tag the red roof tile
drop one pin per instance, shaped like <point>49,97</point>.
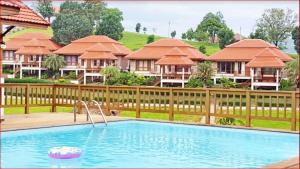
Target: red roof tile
<point>245,50</point>
<point>98,51</point>
<point>26,17</point>
<point>19,41</point>
<point>266,58</point>
<point>175,57</point>
<point>78,47</point>
<point>158,49</point>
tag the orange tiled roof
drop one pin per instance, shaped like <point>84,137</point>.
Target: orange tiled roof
<point>19,41</point>
<point>158,49</point>
<point>245,50</point>
<point>175,57</point>
<point>33,47</point>
<point>98,51</point>
<point>26,17</point>
<point>78,47</point>
<point>266,58</point>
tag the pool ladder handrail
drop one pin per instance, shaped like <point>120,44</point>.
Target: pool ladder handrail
<point>100,110</point>
<point>87,110</point>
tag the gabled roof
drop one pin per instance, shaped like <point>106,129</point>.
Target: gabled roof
<point>33,47</point>
<point>19,41</point>
<point>175,57</point>
<point>158,49</point>
<point>246,50</point>
<point>266,58</point>
<point>78,47</point>
<point>98,51</point>
<point>26,17</point>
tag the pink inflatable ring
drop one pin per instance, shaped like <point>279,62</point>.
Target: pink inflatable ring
<point>64,152</point>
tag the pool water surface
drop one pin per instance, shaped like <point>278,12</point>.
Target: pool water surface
<point>139,144</point>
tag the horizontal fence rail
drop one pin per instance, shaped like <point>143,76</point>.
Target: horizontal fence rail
<point>206,102</point>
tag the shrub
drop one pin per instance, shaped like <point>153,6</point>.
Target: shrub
<point>72,75</point>
<point>202,49</point>
<point>194,83</point>
<point>205,72</point>
<point>150,39</point>
<point>230,121</point>
<point>8,71</point>
<point>27,80</point>
<point>287,85</point>
<point>227,83</point>
<point>44,76</point>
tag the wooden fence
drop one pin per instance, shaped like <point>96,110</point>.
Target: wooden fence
<point>241,104</point>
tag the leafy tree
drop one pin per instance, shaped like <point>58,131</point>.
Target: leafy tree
<point>183,36</point>
<point>45,8</point>
<point>277,24</point>
<point>111,74</point>
<point>150,39</point>
<point>211,24</point>
<point>227,83</point>
<point>94,9</point>
<point>138,27</point>
<point>204,72</point>
<point>173,34</point>
<point>226,37</point>
<point>144,30</point>
<point>202,49</point>
<point>292,70</point>
<point>259,34</point>
<point>71,23</point>
<point>54,63</point>
<point>200,36</point>
<point>190,34</point>
<point>110,24</point>
<point>295,37</point>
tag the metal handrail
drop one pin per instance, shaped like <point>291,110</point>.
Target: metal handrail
<point>87,110</point>
<point>100,111</point>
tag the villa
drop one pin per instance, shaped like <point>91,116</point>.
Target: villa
<point>251,61</point>
<point>171,60</point>
<point>87,56</point>
<point>27,51</point>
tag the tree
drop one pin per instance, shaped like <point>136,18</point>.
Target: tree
<point>138,27</point>
<point>71,23</point>
<point>150,39</point>
<point>295,37</point>
<point>54,63</point>
<point>292,70</point>
<point>45,8</point>
<point>183,36</point>
<point>211,24</point>
<point>277,24</point>
<point>173,34</point>
<point>226,37</point>
<point>202,49</point>
<point>200,36</point>
<point>204,72</point>
<point>110,24</point>
<point>190,34</point>
<point>144,30</point>
<point>259,34</point>
<point>111,74</point>
<point>94,9</point>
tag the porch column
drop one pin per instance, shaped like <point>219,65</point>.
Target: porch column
<point>252,78</point>
<point>215,80</point>
<point>84,76</point>
<point>161,76</point>
<point>277,79</point>
<point>40,66</point>
<point>76,72</point>
<point>21,72</point>
<point>183,77</point>
<point>61,73</point>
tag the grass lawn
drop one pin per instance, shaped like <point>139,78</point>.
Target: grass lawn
<point>132,40</point>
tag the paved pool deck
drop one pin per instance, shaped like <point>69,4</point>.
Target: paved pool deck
<point>38,120</point>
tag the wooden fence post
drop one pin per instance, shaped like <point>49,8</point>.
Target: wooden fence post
<point>27,98</point>
<point>294,115</point>
<point>138,103</point>
<point>171,105</point>
<point>207,106</point>
<point>248,109</point>
<point>107,99</point>
<point>53,109</point>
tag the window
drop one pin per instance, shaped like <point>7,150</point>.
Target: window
<point>225,67</point>
<point>72,60</point>
<point>268,71</point>
<point>143,65</point>
<point>8,55</point>
<point>32,58</point>
<point>239,67</point>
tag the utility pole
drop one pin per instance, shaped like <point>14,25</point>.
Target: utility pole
<point>169,28</point>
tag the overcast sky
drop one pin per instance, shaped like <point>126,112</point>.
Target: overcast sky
<point>240,16</point>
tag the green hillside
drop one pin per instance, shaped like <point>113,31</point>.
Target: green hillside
<point>133,41</point>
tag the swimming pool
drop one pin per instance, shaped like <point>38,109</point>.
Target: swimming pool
<point>138,144</point>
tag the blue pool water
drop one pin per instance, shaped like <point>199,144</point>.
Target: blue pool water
<point>134,144</point>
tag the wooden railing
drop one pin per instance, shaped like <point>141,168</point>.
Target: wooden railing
<point>207,102</point>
